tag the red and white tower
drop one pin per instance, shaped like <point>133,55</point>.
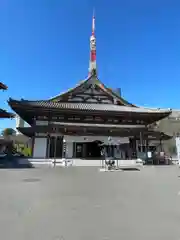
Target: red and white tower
<point>92,63</point>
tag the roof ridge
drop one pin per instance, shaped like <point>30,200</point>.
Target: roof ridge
<point>101,85</point>
<point>70,89</point>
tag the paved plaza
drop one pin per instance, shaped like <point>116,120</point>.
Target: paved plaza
<point>82,203</point>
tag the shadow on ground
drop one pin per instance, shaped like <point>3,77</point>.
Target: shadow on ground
<point>31,180</point>
<point>130,169</point>
<point>15,162</point>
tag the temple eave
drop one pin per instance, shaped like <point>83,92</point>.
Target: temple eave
<point>3,86</point>
<point>83,107</point>
<point>93,131</point>
<point>5,114</point>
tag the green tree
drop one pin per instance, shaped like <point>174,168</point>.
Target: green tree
<point>7,132</point>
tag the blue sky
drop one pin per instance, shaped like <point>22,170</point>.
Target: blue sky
<point>44,48</point>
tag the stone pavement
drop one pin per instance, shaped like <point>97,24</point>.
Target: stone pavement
<point>82,203</point>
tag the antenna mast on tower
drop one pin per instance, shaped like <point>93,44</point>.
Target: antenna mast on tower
<point>92,62</point>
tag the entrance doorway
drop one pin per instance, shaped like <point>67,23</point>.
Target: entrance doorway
<point>93,149</point>
<point>79,150</point>
<point>55,147</point>
<point>87,149</point>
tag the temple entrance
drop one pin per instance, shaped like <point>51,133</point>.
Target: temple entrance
<point>54,147</point>
<point>93,149</point>
<point>87,149</point>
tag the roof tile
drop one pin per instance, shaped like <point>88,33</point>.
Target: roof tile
<point>90,107</point>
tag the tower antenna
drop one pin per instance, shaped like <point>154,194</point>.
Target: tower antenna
<point>92,62</point>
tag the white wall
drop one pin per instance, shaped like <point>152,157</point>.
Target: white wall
<point>40,147</point>
<point>69,150</point>
<point>80,162</point>
<point>19,123</point>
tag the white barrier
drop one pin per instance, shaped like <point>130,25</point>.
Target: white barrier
<point>81,162</point>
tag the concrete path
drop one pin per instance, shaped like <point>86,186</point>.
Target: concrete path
<point>83,203</point>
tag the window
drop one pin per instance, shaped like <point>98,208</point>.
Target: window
<point>89,118</point>
<point>77,118</point>
<point>110,120</point>
<point>99,119</point>
<point>54,118</point>
<point>42,117</point>
<point>129,121</point>
<point>74,118</point>
<point>115,121</point>
<point>61,117</point>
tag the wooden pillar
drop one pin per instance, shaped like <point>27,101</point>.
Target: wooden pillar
<point>48,146</point>
<point>137,149</point>
<point>111,150</point>
<point>55,149</point>
<point>74,150</point>
<point>32,148</point>
<point>161,149</point>
<point>84,146</point>
<point>141,142</point>
<point>48,139</point>
<point>147,144</point>
<point>146,147</point>
<point>105,151</point>
<point>33,138</point>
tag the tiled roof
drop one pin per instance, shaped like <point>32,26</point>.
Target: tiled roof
<point>5,114</point>
<point>85,106</point>
<point>3,86</point>
<point>94,79</point>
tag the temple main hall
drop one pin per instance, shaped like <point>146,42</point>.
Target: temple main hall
<point>76,123</point>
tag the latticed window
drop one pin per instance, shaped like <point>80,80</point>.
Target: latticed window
<point>115,120</point>
<point>74,118</point>
<point>54,118</point>
<point>89,118</point>
<point>99,119</point>
<point>110,120</point>
<point>61,117</point>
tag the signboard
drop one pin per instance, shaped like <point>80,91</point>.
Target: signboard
<point>178,148</point>
<point>149,154</point>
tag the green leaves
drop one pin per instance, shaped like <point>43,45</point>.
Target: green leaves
<point>8,132</point>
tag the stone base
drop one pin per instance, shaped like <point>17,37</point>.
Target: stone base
<point>82,162</point>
